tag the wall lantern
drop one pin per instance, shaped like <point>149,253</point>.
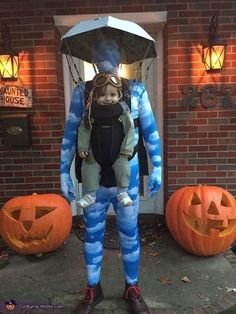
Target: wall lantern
<point>213,54</point>
<point>9,59</point>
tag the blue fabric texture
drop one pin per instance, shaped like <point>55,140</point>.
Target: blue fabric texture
<point>95,215</point>
<point>107,56</point>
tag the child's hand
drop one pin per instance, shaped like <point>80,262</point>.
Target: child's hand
<point>124,155</point>
<point>83,154</point>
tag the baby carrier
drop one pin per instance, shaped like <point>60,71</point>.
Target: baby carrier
<point>107,133</point>
<point>111,129</point>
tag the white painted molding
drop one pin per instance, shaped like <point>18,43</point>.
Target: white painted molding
<point>64,22</point>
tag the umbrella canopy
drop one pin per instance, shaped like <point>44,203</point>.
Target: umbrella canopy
<point>134,42</point>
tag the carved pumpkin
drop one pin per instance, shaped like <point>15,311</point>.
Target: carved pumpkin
<point>35,223</point>
<point>202,219</point>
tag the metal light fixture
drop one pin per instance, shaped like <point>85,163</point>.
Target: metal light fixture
<point>9,59</point>
<point>213,54</point>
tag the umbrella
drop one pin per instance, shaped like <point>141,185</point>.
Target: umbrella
<point>134,42</point>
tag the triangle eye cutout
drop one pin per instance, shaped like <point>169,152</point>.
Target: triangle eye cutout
<point>195,200</point>
<point>225,201</point>
<point>41,211</point>
<point>212,210</point>
<point>15,214</point>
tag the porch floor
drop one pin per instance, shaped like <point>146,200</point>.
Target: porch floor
<point>172,281</point>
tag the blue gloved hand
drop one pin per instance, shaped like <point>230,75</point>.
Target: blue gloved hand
<point>154,182</point>
<point>67,187</point>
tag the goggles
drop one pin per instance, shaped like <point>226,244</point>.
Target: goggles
<point>102,79</point>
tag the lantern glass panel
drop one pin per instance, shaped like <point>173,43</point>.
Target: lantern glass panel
<point>9,65</point>
<point>214,57</point>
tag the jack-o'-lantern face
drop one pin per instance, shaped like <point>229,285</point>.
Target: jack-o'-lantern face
<point>35,223</point>
<point>29,229</point>
<point>211,212</point>
<point>202,219</point>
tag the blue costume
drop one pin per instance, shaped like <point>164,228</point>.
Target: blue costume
<point>95,215</point>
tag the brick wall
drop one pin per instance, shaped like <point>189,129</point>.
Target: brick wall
<point>35,168</point>
<point>199,143</point>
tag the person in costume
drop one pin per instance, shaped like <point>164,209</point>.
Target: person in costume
<point>107,59</point>
<point>105,138</point>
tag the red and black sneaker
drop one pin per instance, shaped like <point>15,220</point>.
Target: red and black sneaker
<point>93,296</point>
<point>132,295</point>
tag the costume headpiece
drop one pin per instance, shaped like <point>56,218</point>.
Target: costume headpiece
<point>107,56</point>
<point>101,80</point>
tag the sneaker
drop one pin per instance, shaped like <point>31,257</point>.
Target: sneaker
<point>93,296</point>
<point>133,297</point>
<point>124,199</point>
<point>86,200</point>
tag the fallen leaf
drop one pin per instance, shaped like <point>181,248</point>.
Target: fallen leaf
<point>39,255</point>
<point>230,289</point>
<point>154,254</point>
<point>152,243</point>
<point>165,281</point>
<point>185,279</point>
<point>203,297</point>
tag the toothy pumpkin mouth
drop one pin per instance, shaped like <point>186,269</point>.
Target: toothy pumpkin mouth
<point>24,242</point>
<point>212,226</point>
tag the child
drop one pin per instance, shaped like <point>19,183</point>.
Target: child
<point>105,139</point>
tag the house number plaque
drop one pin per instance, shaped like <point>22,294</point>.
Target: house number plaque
<point>208,96</point>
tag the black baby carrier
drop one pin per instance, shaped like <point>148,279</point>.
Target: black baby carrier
<point>106,138</point>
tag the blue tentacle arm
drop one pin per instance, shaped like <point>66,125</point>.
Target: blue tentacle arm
<point>152,140</point>
<point>69,141</point>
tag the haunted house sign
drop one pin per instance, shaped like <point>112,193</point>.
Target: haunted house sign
<point>15,96</point>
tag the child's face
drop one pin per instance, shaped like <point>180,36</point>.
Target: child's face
<point>109,96</point>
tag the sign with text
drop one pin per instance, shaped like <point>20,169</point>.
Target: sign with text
<point>15,96</point>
